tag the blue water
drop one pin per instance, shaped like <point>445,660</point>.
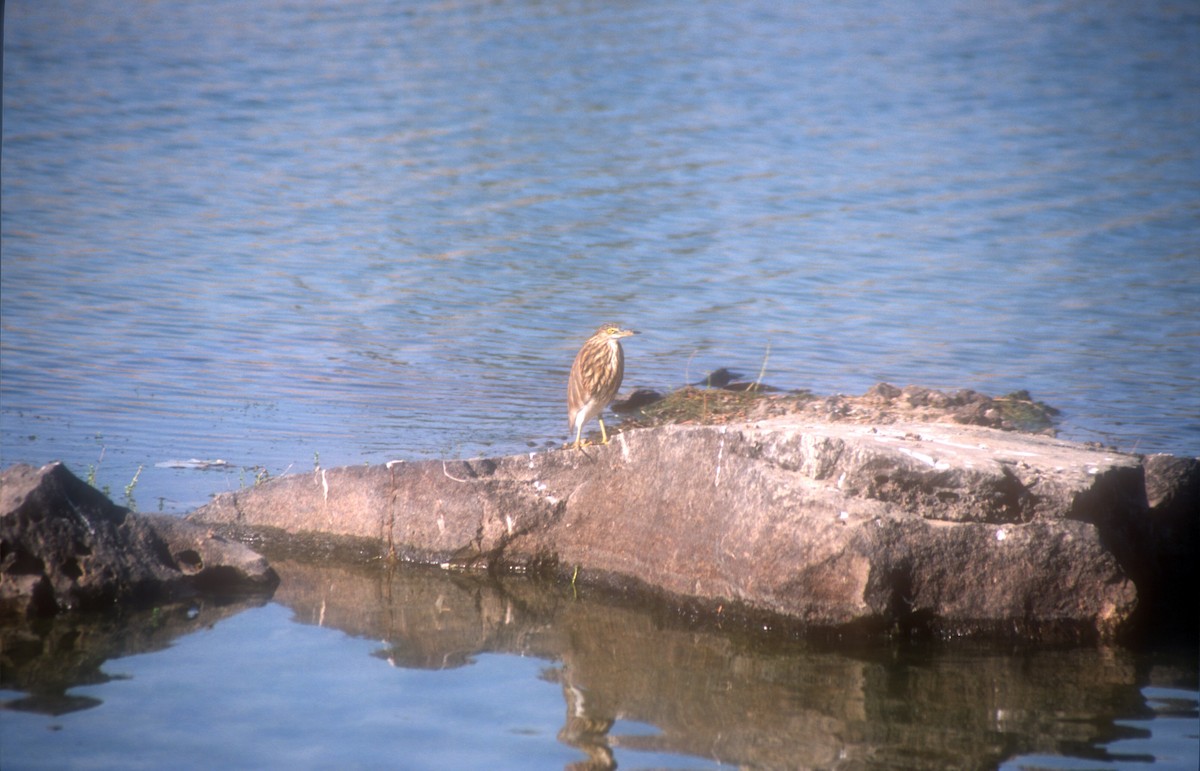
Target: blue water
<point>265,234</point>
<point>286,233</point>
<point>348,710</point>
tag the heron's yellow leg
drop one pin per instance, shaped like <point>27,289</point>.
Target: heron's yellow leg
<point>603,433</point>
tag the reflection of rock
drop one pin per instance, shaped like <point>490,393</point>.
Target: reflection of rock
<point>47,657</point>
<point>707,694</point>
<point>429,619</point>
<point>742,700</point>
<point>65,546</point>
<point>940,528</point>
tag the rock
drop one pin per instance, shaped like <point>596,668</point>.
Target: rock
<point>723,398</point>
<point>65,546</point>
<point>916,527</point>
<point>1165,544</point>
<point>640,398</point>
<point>214,565</point>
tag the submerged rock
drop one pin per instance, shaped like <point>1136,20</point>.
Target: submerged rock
<point>65,546</point>
<point>837,524</point>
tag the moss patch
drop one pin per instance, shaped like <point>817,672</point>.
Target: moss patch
<point>882,403</point>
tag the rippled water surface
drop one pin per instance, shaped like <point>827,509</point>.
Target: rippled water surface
<point>262,233</point>
<point>288,232</point>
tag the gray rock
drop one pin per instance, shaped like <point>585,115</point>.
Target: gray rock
<point>65,546</point>
<point>946,529</point>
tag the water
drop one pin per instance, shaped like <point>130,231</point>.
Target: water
<point>285,233</point>
<point>360,232</point>
<point>358,668</point>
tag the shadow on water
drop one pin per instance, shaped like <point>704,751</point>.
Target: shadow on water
<point>738,698</point>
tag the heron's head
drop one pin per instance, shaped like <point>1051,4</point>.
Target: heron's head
<point>612,332</point>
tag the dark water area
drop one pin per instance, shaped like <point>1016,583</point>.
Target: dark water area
<point>368,668</point>
<point>285,233</point>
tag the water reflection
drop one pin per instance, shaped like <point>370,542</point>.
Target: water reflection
<point>46,658</point>
<point>737,698</point>
<point>646,680</point>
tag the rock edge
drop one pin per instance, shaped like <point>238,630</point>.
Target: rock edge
<point>953,530</point>
<point>65,546</point>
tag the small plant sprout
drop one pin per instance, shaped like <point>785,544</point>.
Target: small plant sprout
<point>763,369</point>
<point>94,467</point>
<point>130,487</point>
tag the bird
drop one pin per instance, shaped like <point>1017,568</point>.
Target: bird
<point>595,378</point>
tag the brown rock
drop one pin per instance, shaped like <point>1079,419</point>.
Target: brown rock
<point>939,528</point>
<point>65,546</point>
<point>1166,544</point>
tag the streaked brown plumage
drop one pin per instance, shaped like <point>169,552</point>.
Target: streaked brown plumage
<point>595,378</point>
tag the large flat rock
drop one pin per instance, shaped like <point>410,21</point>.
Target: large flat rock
<point>921,527</point>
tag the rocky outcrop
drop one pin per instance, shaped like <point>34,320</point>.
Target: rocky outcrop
<point>65,546</point>
<point>947,529</point>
